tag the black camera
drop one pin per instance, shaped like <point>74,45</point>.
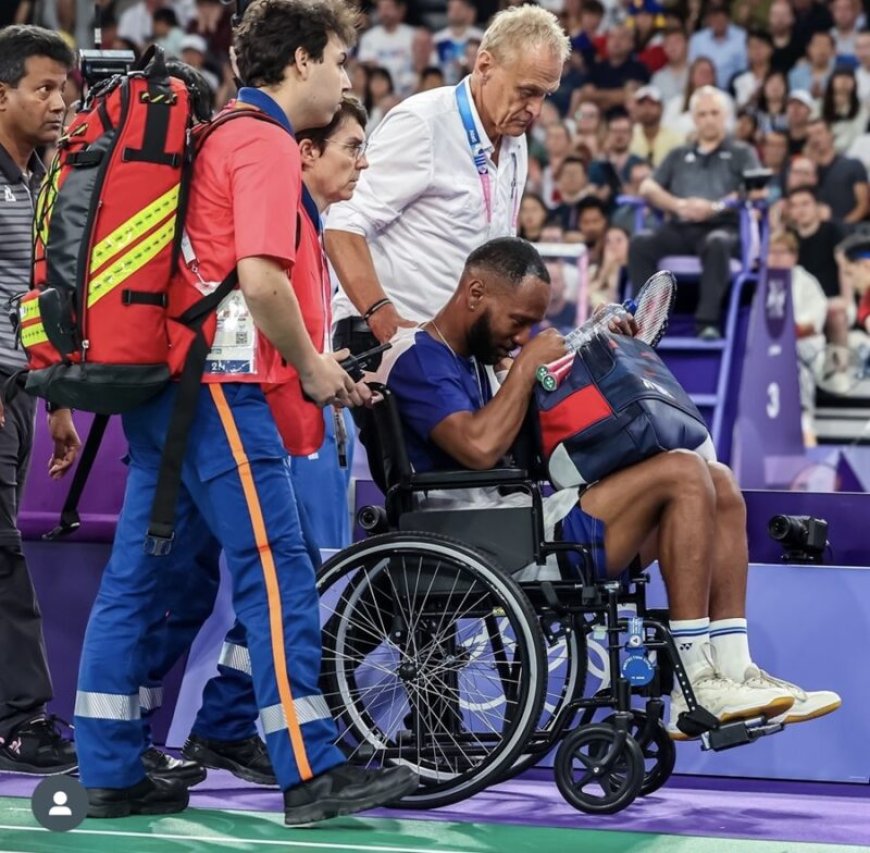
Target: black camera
<point>803,537</point>
<point>756,179</point>
<point>97,65</point>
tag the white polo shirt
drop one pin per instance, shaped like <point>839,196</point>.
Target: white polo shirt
<point>420,204</point>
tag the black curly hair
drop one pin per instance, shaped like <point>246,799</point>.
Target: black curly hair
<point>271,31</point>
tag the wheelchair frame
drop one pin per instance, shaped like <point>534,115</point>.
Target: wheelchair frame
<point>617,749</point>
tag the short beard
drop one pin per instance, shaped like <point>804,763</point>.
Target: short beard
<point>480,343</point>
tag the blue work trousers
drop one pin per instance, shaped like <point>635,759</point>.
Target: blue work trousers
<point>235,481</point>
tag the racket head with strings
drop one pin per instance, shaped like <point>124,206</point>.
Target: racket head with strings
<point>653,305</point>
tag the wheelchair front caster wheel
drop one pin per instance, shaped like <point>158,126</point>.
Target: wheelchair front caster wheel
<point>658,750</point>
<point>590,778</point>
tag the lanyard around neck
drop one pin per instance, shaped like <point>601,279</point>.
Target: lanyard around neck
<point>265,102</point>
<point>478,155</point>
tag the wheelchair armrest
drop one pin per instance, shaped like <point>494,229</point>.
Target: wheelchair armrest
<point>463,479</point>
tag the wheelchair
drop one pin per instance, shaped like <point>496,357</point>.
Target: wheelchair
<point>435,656</point>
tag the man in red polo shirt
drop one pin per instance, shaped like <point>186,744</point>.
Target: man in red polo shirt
<point>223,736</point>
<point>236,486</point>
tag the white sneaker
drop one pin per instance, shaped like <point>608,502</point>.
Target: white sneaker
<point>807,704</point>
<point>727,700</point>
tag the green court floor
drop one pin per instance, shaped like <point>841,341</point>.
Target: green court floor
<point>204,831</point>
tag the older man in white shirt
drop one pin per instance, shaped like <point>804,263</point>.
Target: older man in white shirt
<point>446,173</point>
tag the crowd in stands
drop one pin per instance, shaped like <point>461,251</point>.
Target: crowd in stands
<point>794,77</point>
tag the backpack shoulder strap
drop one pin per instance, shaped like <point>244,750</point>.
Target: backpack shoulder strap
<point>69,515</point>
<point>227,116</point>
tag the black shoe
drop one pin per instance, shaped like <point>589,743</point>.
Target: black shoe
<point>247,759</point>
<point>159,765</point>
<point>150,796</point>
<point>37,748</point>
<point>345,790</point>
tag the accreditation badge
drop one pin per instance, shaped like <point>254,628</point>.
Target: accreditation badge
<point>234,350</point>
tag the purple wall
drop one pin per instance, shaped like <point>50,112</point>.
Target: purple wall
<point>43,498</point>
<point>66,576</point>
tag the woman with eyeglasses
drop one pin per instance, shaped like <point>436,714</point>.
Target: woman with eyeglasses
<point>332,159</point>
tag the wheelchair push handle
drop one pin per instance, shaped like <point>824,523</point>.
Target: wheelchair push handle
<point>356,365</point>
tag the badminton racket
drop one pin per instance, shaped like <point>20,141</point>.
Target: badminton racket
<point>651,309</point>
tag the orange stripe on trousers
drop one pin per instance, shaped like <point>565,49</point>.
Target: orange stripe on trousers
<point>267,561</point>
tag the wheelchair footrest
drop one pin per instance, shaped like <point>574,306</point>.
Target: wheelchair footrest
<point>738,733</point>
<point>697,723</point>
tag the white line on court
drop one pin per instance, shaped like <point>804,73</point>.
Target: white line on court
<point>320,845</point>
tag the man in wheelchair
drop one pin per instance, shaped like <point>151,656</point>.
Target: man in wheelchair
<point>678,508</point>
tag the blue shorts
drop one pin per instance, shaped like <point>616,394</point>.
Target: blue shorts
<point>586,530</point>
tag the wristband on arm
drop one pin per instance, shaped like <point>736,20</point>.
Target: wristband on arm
<point>376,307</point>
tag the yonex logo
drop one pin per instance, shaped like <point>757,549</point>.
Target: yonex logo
<point>684,647</point>
<point>8,194</point>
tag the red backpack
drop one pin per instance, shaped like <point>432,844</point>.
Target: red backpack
<point>108,227</point>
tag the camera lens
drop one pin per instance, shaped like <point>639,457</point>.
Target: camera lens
<point>370,518</point>
<point>782,527</point>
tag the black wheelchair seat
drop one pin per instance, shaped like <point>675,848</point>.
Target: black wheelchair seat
<point>506,535</point>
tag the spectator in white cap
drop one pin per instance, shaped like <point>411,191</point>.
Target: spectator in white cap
<point>194,49</point>
<point>800,109</point>
<point>651,141</point>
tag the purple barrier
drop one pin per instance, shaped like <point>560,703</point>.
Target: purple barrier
<point>768,423</point>
<point>102,498</point>
<point>66,576</point>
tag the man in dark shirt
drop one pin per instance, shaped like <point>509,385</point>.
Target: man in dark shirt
<point>607,77</point>
<point>817,242</point>
<point>692,186</point>
<point>34,64</point>
<point>842,180</point>
<point>810,18</point>
<point>817,238</point>
<point>611,172</point>
<point>786,48</point>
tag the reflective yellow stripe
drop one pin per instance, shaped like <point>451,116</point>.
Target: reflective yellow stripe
<point>137,225</point>
<point>33,335</point>
<point>130,263</point>
<point>28,310</point>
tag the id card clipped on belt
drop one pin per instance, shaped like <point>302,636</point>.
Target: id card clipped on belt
<point>234,350</point>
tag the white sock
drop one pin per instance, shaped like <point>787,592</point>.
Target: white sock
<point>691,637</point>
<point>731,647</point>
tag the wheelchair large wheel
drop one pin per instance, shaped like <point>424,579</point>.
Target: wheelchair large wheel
<point>659,752</point>
<point>432,658</point>
<point>566,680</point>
<point>591,783</point>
